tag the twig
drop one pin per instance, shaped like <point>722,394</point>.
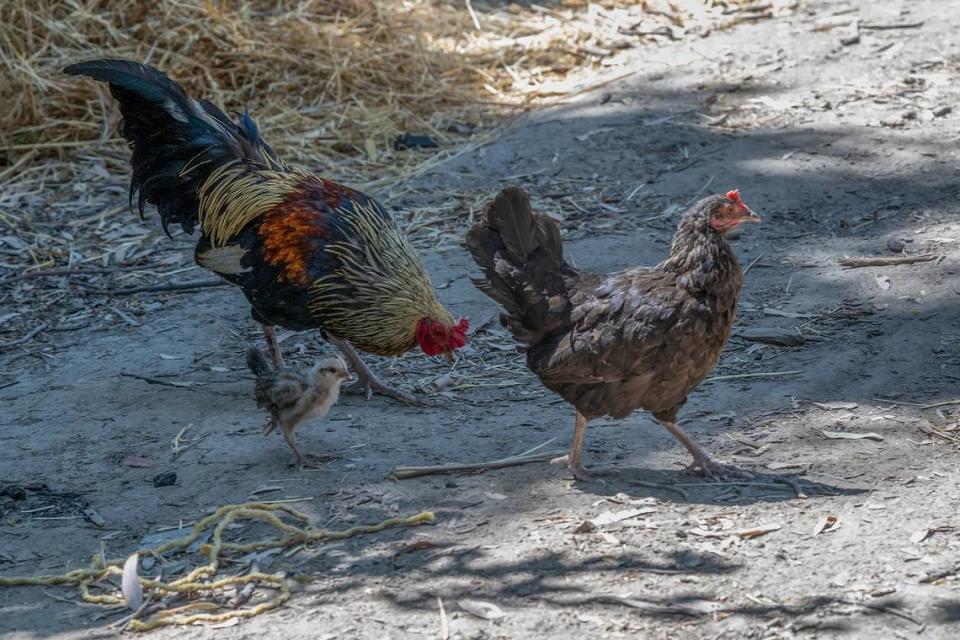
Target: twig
<point>149,380</point>
<point>853,263</point>
<point>887,27</point>
<point>80,271</point>
<point>25,338</point>
<point>747,376</point>
<point>939,404</point>
<point>183,286</point>
<point>402,473</point>
<point>753,262</point>
<point>444,625</point>
<point>476,24</point>
<point>933,576</point>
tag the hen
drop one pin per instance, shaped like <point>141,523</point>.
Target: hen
<point>307,252</point>
<point>293,397</point>
<point>642,338</point>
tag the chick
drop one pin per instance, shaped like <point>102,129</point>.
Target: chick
<point>293,397</point>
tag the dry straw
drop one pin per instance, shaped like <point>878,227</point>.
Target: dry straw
<point>328,80</point>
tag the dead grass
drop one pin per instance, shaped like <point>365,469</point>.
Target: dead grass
<point>328,80</point>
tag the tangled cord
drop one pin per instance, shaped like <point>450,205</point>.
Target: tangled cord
<point>199,579</point>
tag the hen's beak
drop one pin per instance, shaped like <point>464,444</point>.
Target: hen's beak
<point>448,355</point>
<point>750,216</point>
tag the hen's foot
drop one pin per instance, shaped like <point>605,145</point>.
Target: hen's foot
<point>579,471</point>
<point>720,472</point>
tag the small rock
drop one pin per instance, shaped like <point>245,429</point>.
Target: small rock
<point>451,484</point>
<point>14,491</point>
<point>895,245</point>
<point>585,527</point>
<point>165,479</point>
<point>942,111</point>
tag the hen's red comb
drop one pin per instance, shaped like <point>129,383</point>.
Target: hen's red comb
<point>735,196</point>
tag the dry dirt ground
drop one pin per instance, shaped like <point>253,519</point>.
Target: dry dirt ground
<point>847,150</point>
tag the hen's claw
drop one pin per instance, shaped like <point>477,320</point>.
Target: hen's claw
<point>314,461</point>
<point>575,467</point>
<point>718,471</point>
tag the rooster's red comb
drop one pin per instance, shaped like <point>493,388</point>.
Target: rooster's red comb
<point>734,195</point>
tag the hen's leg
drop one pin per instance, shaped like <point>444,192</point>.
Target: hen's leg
<point>719,471</point>
<point>701,459</point>
<point>573,459</point>
<point>272,345</point>
<point>367,380</point>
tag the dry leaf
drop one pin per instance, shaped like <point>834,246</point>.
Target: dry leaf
<point>130,585</point>
<point>846,435</point>
<point>756,532</point>
<point>883,282</point>
<point>609,517</point>
<point>485,610</point>
<point>825,524</point>
<point>219,369</point>
<point>836,406</point>
<point>921,535</point>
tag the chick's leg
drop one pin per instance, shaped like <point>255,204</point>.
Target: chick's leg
<point>271,337</point>
<point>573,459</point>
<point>303,462</point>
<point>367,380</point>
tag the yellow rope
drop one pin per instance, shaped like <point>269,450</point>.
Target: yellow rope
<point>200,578</point>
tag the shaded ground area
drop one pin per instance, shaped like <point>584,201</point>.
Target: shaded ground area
<point>847,149</point>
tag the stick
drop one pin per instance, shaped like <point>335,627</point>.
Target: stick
<point>402,473</point>
<point>80,271</point>
<point>25,338</point>
<point>747,376</point>
<point>753,262</point>
<point>156,288</point>
<point>854,263</point>
<point>149,380</point>
<point>885,27</point>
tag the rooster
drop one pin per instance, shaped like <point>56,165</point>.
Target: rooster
<point>306,252</point>
<point>609,344</point>
<point>293,397</point>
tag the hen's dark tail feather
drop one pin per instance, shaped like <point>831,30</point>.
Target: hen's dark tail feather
<point>521,255</point>
<point>177,141</point>
<point>257,362</point>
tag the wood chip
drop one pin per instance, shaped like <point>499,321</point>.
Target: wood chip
<point>847,435</point>
<point>480,609</point>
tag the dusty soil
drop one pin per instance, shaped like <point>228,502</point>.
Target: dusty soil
<point>844,149</point>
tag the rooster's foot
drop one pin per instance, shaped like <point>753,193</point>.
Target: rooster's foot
<point>368,385</point>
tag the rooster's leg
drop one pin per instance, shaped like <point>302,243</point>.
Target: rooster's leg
<point>573,459</point>
<point>367,380</point>
<point>271,337</point>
